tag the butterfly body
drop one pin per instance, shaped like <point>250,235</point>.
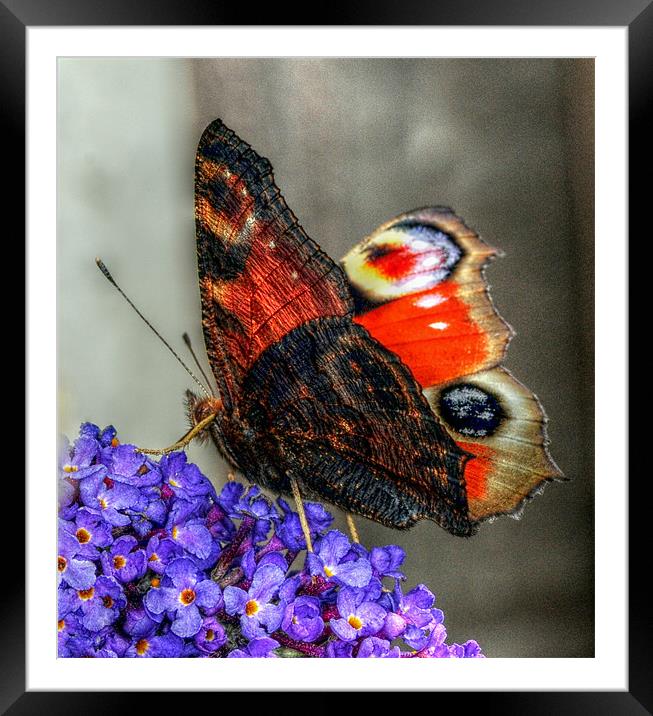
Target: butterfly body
<point>347,379</point>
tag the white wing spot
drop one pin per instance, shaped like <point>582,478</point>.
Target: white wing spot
<point>439,325</point>
<point>429,301</point>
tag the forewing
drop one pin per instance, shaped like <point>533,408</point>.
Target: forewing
<point>260,275</point>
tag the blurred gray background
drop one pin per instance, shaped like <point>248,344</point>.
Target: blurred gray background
<point>507,143</point>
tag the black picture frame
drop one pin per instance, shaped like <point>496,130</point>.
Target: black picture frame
<point>17,15</point>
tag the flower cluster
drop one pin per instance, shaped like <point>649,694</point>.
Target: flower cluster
<point>153,562</point>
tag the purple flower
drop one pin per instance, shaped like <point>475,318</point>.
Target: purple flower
<point>211,636</point>
<point>107,437</point>
<point>138,622</point>
<point>90,646</point>
<point>78,573</point>
<point>373,648</point>
<point>160,551</point>
<point>90,531</point>
<point>260,648</point>
<point>359,618</point>
<point>184,478</point>
<point>230,497</point>
<point>112,642</point>
<point>189,593</point>
<point>469,650</point>
<point>129,466</point>
<point>333,558</point>
<point>290,530</point>
<point>124,560</point>
<point>67,601</point>
<point>302,619</point>
<point>386,561</point>
<point>410,614</point>
<point>67,488</point>
<point>149,510</point>
<point>101,604</point>
<point>194,537</point>
<point>79,462</point>
<point>254,605</point>
<point>339,649</point>
<point>109,498</point>
<point>168,645</point>
<point>69,628</point>
<point>251,504</point>
<point>434,646</point>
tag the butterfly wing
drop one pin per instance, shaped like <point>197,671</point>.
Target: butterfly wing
<point>419,288</point>
<point>260,275</point>
<point>307,392</point>
<point>495,418</point>
<point>345,416</point>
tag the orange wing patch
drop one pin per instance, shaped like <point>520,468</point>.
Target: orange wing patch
<point>421,292</point>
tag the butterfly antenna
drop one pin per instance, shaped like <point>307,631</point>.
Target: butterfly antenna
<point>189,345</point>
<point>110,279</point>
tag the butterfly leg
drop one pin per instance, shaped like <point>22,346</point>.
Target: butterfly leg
<point>184,440</point>
<point>352,528</point>
<point>300,511</point>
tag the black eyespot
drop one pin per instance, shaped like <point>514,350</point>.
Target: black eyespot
<point>470,410</point>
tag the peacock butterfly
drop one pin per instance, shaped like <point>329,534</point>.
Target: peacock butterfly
<point>375,384</point>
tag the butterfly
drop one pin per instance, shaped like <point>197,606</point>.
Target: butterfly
<point>374,383</point>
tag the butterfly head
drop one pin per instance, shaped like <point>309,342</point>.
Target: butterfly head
<point>199,408</point>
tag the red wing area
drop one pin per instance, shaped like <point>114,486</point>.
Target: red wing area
<point>260,275</point>
<point>443,333</point>
<point>419,289</point>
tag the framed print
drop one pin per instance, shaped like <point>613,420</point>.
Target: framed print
<point>526,144</point>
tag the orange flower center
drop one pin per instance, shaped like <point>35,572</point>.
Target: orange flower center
<point>328,571</point>
<point>86,594</point>
<point>103,503</point>
<point>355,622</point>
<point>70,468</point>
<point>61,624</point>
<point>107,601</point>
<point>142,645</point>
<point>251,607</point>
<point>187,597</point>
<point>210,635</point>
<point>154,557</point>
<point>62,563</point>
<point>119,561</point>
<point>115,442</point>
<point>155,582</point>
<point>142,470</point>
<point>83,536</point>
